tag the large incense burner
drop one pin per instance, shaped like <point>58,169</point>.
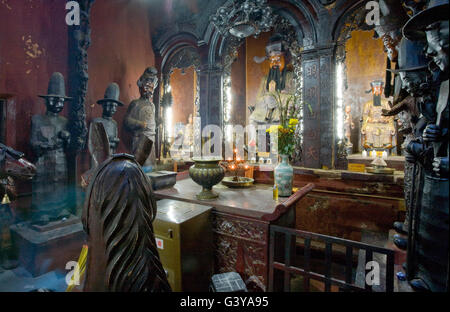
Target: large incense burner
<point>207,172</point>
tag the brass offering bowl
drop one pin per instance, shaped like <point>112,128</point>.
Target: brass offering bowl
<point>240,182</point>
<point>380,167</point>
<point>207,172</point>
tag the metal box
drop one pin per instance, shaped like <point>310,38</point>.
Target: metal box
<point>162,179</point>
<point>183,234</point>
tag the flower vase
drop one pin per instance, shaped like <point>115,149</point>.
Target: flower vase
<point>284,175</point>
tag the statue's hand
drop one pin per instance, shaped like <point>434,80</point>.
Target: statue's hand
<point>432,133</point>
<point>440,166</point>
<point>64,135</point>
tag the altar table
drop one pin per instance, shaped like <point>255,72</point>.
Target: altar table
<point>241,219</point>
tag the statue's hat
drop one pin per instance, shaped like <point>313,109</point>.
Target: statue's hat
<point>275,43</point>
<point>56,87</point>
<point>111,94</point>
<point>149,73</point>
<point>411,56</point>
<point>437,10</point>
<point>393,17</point>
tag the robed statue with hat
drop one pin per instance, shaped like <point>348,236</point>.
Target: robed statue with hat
<point>49,139</point>
<point>428,238</point>
<point>140,117</point>
<point>109,103</point>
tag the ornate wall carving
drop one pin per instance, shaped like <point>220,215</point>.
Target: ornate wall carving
<point>79,42</point>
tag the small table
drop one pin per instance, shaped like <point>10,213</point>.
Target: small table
<point>241,219</point>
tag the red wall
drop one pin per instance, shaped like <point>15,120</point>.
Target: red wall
<point>33,45</point>
<point>120,51</point>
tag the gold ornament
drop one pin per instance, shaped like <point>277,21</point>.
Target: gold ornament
<point>5,200</point>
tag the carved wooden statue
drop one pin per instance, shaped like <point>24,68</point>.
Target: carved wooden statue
<point>117,217</point>
<point>110,103</point>
<point>413,72</point>
<point>12,166</point>
<point>49,139</point>
<point>377,131</point>
<point>428,250</point>
<point>140,117</point>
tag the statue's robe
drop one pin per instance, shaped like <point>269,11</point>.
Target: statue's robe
<point>111,130</point>
<point>49,185</point>
<point>139,112</point>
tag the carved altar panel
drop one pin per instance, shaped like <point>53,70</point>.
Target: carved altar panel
<point>241,246</point>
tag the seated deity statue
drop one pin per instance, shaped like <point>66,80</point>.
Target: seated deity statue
<point>266,112</point>
<point>377,131</point>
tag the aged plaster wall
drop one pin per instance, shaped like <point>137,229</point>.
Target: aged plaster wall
<point>366,61</point>
<point>120,51</point>
<point>33,45</point>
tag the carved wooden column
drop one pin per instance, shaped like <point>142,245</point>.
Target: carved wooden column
<point>210,79</point>
<point>318,90</point>
<point>79,42</point>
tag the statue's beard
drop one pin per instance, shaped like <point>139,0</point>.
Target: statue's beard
<point>148,94</point>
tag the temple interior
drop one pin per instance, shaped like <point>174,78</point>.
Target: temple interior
<point>224,146</point>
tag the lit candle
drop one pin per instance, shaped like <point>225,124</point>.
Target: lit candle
<point>364,154</point>
<point>384,155</point>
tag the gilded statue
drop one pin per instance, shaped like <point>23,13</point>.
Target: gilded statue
<point>377,131</point>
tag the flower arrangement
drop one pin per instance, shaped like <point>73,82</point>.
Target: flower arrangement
<point>289,118</point>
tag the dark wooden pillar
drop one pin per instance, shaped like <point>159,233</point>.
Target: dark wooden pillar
<point>211,111</point>
<point>79,42</point>
<point>318,94</point>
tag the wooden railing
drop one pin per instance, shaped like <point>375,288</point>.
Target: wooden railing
<point>289,268</point>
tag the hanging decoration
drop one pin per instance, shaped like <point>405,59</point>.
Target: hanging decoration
<point>243,18</point>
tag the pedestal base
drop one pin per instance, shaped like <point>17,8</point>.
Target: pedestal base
<point>42,249</point>
<point>207,194</point>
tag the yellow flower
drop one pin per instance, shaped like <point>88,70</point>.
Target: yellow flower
<point>293,122</point>
<point>274,128</point>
